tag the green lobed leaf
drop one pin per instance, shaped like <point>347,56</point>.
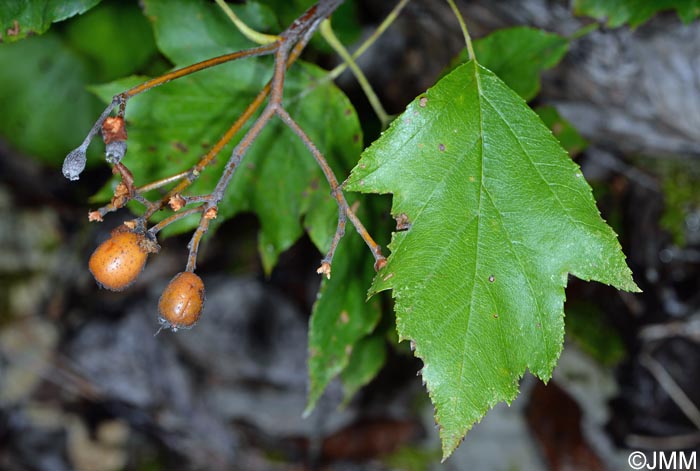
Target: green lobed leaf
<point>519,55</point>
<point>635,12</point>
<point>499,216</point>
<point>22,18</point>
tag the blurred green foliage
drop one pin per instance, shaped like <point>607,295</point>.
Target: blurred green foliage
<point>589,327</point>
<point>635,12</point>
<point>568,136</point>
<point>22,18</point>
<point>47,110</point>
<point>679,180</point>
<point>518,56</point>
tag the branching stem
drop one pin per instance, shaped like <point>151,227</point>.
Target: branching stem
<point>162,182</point>
<point>190,69</point>
<point>286,48</point>
<point>193,246</point>
<point>337,193</point>
<point>175,217</point>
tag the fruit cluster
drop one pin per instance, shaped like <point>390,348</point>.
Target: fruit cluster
<point>119,260</point>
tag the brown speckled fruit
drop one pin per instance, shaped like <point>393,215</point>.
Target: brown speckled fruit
<point>118,261</point>
<point>182,301</point>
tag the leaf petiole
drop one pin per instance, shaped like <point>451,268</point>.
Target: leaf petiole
<point>463,26</point>
<point>332,39</point>
<point>255,36</point>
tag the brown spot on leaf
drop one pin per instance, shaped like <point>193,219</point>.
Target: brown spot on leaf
<point>423,101</point>
<point>402,222</point>
<point>441,147</point>
<point>344,317</point>
<point>180,147</point>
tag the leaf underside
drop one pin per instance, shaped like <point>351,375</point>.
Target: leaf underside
<point>499,215</point>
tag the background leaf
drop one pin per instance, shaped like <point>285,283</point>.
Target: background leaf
<point>20,18</point>
<point>568,136</point>
<point>519,55</point>
<point>189,31</point>
<point>33,118</point>
<point>116,39</point>
<point>62,65</point>
<point>635,12</point>
<point>368,357</point>
<point>499,216</point>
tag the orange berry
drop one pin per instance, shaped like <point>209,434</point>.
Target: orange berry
<point>181,303</point>
<point>119,260</point>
